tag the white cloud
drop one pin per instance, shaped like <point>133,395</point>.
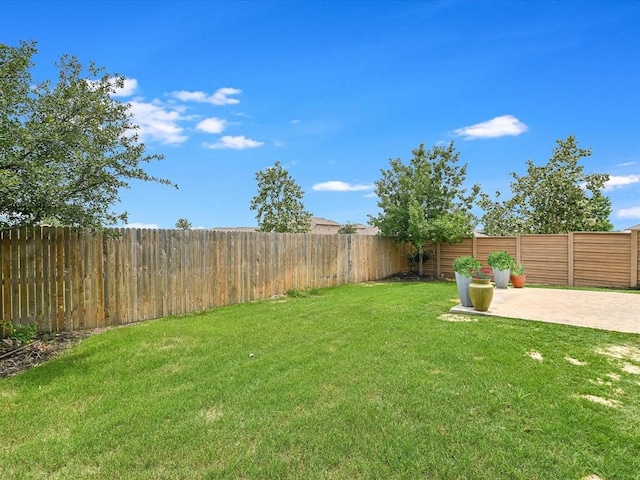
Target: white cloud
<point>337,186</point>
<point>620,181</point>
<point>220,97</point>
<point>278,143</point>
<point>156,122</point>
<point>295,121</point>
<point>625,164</point>
<point>237,143</point>
<point>152,226</point>
<point>496,127</point>
<point>212,125</point>
<point>129,88</point>
<point>633,212</point>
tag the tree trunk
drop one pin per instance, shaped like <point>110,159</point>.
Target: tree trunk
<point>420,258</point>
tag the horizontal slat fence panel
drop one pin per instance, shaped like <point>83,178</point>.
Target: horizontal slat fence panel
<point>484,248</point>
<point>449,252</point>
<point>601,259</point>
<point>577,259</point>
<point>71,279</point>
<point>546,258</point>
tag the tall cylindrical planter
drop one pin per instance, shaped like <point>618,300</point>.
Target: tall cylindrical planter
<point>481,293</point>
<point>501,277</point>
<point>463,282</point>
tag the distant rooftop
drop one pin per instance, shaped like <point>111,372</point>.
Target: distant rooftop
<point>318,225</point>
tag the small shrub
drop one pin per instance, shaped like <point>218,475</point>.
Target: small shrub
<point>465,265</point>
<point>22,334</point>
<point>306,292</point>
<point>518,269</point>
<point>501,260</point>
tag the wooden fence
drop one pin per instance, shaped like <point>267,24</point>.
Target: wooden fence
<point>68,279</point>
<point>574,259</point>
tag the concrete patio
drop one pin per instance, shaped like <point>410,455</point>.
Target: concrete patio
<point>616,311</point>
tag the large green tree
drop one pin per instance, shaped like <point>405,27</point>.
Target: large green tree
<point>558,197</point>
<point>66,149</point>
<point>278,204</point>
<point>424,200</point>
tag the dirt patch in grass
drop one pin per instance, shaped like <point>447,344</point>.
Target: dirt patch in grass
<point>211,415</point>
<point>535,355</point>
<point>622,352</point>
<point>452,317</point>
<point>575,361</point>
<point>600,401</point>
<point>629,368</point>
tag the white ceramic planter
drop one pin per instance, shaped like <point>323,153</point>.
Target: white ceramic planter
<point>463,283</point>
<point>501,277</point>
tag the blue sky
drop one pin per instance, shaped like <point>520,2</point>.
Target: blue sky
<point>333,90</point>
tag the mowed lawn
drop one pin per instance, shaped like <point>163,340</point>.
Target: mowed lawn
<point>360,381</point>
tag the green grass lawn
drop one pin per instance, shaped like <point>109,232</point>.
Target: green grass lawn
<point>360,381</point>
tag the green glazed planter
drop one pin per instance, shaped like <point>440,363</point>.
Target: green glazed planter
<point>481,293</point>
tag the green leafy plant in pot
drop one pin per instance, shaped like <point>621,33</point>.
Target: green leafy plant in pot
<point>518,277</point>
<point>501,262</point>
<point>463,268</point>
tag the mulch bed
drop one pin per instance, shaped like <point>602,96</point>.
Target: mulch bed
<point>411,277</point>
<point>16,358</point>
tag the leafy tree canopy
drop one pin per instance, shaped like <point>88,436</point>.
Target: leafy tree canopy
<point>424,200</point>
<point>66,149</point>
<point>555,198</point>
<point>278,204</point>
<point>183,224</point>
<point>348,228</point>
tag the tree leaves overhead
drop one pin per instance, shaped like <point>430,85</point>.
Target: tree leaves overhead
<point>424,200</point>
<point>278,204</point>
<point>65,149</point>
<point>555,198</point>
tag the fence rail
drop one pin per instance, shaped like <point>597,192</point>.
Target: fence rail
<point>573,259</point>
<point>72,279</point>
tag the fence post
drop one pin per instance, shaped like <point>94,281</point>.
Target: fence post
<point>570,272</point>
<point>350,273</point>
<point>518,248</point>
<point>634,259</point>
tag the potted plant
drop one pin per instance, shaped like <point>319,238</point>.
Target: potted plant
<point>480,289</point>
<point>463,266</point>
<point>518,278</point>
<point>501,262</point>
